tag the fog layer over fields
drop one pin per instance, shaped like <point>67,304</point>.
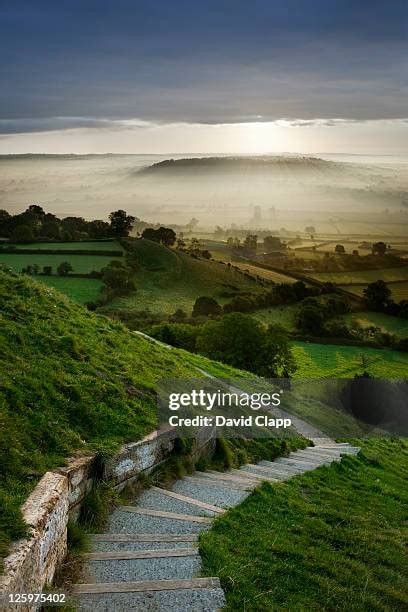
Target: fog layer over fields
<point>269,192</point>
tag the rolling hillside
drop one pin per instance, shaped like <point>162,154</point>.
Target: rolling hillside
<point>166,280</point>
<point>71,381</point>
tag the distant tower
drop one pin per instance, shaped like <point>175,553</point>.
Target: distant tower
<point>272,213</point>
<point>257,216</point>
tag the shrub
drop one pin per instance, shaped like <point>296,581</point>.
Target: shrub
<point>377,295</point>
<point>241,341</point>
<point>206,306</point>
<point>241,303</point>
<point>64,268</point>
<point>180,335</point>
<point>310,317</point>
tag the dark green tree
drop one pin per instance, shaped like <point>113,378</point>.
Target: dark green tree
<point>205,306</point>
<point>120,223</point>
<point>377,295</point>
<point>64,268</point>
<point>379,248</point>
<point>22,234</point>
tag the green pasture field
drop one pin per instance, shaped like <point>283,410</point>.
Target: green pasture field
<point>316,360</point>
<point>392,325</point>
<point>276,277</point>
<point>399,291</point>
<point>110,245</point>
<point>363,276</point>
<point>281,315</point>
<point>80,290</point>
<point>81,264</point>
<point>168,279</point>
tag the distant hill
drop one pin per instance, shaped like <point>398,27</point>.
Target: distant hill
<point>214,165</point>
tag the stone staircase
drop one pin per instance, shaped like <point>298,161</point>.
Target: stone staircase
<point>149,560</point>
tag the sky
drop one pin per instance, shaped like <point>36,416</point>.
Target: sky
<point>163,76</point>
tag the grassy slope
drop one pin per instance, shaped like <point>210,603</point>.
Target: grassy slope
<point>80,290</point>
<point>332,539</point>
<point>70,380</point>
<point>168,280</point>
<point>328,360</point>
<point>280,315</point>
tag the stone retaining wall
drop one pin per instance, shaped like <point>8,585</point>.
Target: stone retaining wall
<point>32,562</point>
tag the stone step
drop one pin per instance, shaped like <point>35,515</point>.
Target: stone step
<point>175,600</point>
<point>226,477</point>
<point>157,499</point>
<point>146,585</point>
<point>143,537</point>
<point>211,491</point>
<point>190,500</point>
<point>290,470</point>
<point>321,451</point>
<point>117,542</point>
<point>326,452</point>
<point>128,522</point>
<point>190,518</point>
<point>152,568</point>
<point>312,462</point>
<point>276,475</point>
<point>197,595</point>
<point>140,554</point>
<point>228,484</point>
<point>256,475</point>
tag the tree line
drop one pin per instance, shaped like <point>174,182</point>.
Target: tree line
<point>34,224</point>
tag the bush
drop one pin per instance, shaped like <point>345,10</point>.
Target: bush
<point>180,335</point>
<point>310,317</point>
<point>118,277</point>
<point>241,303</point>
<point>403,345</point>
<point>64,268</point>
<point>241,341</point>
<point>377,295</point>
<point>206,306</point>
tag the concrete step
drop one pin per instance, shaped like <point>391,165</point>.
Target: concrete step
<point>277,475</point>
<point>190,518</point>
<point>158,499</point>
<point>226,477</point>
<point>191,500</point>
<point>153,568</point>
<point>257,476</point>
<point>213,492</point>
<point>117,542</point>
<point>343,450</point>
<point>291,470</point>
<point>122,521</point>
<point>323,454</point>
<point>307,462</point>
<point>140,554</point>
<point>197,595</point>
<point>227,484</point>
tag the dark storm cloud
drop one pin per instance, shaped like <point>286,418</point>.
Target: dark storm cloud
<point>207,61</point>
